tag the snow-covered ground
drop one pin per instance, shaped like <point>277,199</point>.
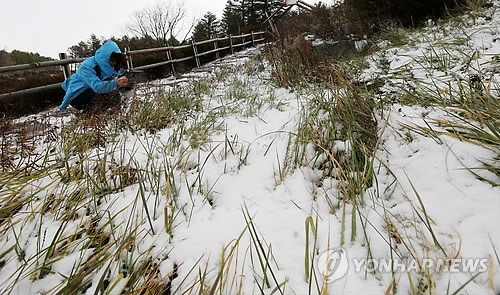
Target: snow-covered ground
<point>206,202</point>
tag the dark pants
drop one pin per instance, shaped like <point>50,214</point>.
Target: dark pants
<point>89,100</point>
<point>83,100</point>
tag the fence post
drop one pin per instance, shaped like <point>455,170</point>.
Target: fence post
<point>65,68</point>
<point>195,50</point>
<point>216,47</point>
<point>130,61</point>
<point>231,43</point>
<point>253,40</point>
<point>169,57</point>
<point>128,58</point>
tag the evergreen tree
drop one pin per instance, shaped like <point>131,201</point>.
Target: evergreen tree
<point>85,48</point>
<point>22,57</point>
<point>207,28</point>
<point>232,21</point>
<point>242,16</point>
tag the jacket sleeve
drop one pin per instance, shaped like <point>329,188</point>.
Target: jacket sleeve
<point>71,92</point>
<point>64,103</point>
<point>90,77</point>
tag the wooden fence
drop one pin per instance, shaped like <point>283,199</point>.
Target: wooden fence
<point>245,40</point>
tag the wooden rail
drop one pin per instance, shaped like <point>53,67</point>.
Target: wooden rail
<point>40,65</point>
<point>65,62</point>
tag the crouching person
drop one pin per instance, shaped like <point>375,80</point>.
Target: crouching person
<point>98,77</point>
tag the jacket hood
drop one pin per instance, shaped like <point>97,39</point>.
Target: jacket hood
<point>103,54</point>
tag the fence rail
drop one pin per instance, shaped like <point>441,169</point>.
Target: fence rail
<point>40,65</point>
<point>64,62</point>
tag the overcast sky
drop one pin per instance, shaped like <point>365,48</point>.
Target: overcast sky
<point>51,26</point>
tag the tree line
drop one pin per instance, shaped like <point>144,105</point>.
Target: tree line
<point>163,24</point>
<point>17,57</point>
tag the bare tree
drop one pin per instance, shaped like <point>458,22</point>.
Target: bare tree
<point>162,21</point>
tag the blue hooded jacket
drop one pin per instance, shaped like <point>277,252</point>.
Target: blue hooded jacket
<point>87,75</point>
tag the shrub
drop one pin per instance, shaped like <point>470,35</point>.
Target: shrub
<point>6,59</point>
<point>335,22</point>
<point>408,13</point>
<point>29,103</point>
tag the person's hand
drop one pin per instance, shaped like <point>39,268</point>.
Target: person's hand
<point>122,81</point>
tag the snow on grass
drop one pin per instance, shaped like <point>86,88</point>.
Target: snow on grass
<point>432,172</point>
